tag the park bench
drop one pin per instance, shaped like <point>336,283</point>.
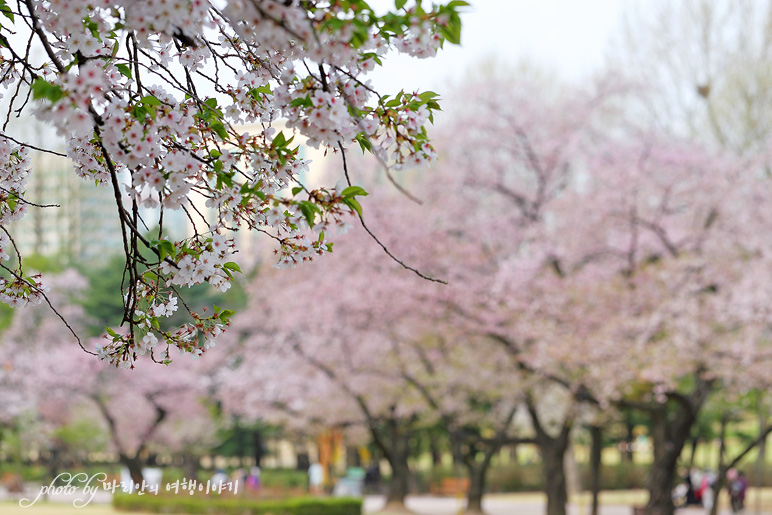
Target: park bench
<point>452,486</point>
<point>12,483</point>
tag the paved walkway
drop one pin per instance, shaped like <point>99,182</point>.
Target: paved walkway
<point>508,505</point>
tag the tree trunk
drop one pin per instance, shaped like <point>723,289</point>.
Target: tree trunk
<point>134,464</point>
<point>189,465</point>
<point>400,478</point>
<point>721,476</point>
<point>554,475</point>
<point>478,471</point>
<point>595,464</point>
<point>671,425</point>
<point>436,454</point>
<point>762,452</point>
<point>695,443</point>
<point>257,442</point>
<point>240,441</point>
<point>474,496</point>
<point>54,462</point>
<point>394,443</point>
<point>663,469</point>
<point>628,453</point>
<point>553,453</point>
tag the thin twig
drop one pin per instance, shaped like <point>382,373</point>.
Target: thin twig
<point>45,297</point>
<point>374,237</point>
<point>392,256</point>
<point>33,147</point>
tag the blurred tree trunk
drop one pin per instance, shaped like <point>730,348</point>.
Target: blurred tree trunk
<point>628,454</point>
<point>762,416</point>
<point>257,443</point>
<point>695,441</point>
<point>553,453</point>
<point>135,465</point>
<point>671,425</point>
<point>596,449</point>
<point>189,465</point>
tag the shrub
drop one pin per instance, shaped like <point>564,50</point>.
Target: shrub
<point>194,505</point>
<point>283,478</point>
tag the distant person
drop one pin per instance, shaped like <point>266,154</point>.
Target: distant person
<point>695,476</point>
<point>253,479</point>
<point>737,490</point>
<point>315,478</point>
<point>219,478</point>
<point>706,488</point>
<point>691,494</point>
<point>373,476</point>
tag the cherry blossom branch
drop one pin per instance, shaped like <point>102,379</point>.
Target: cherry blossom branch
<point>51,306</point>
<point>385,249</point>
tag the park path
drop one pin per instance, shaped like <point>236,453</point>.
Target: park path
<point>508,505</point>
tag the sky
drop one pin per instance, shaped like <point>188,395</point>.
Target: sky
<point>567,36</point>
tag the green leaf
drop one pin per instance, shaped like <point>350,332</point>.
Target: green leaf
<point>150,100</point>
<point>353,191</point>
<point>225,178</point>
<point>452,31</point>
<point>139,112</point>
<point>301,102</point>
<point>219,128</point>
<point>6,10</point>
<point>279,140</point>
<point>110,331</point>
<point>124,69</point>
<point>353,204</point>
<point>262,90</point>
<point>43,89</point>
<point>364,142</point>
<point>309,210</point>
<point>230,265</point>
<point>296,190</point>
<point>164,248</point>
<point>93,28</point>
<point>400,3</point>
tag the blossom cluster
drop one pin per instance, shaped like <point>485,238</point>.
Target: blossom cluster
<point>19,291</point>
<point>196,263</point>
<point>124,84</point>
<point>14,173</point>
<point>15,289</point>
